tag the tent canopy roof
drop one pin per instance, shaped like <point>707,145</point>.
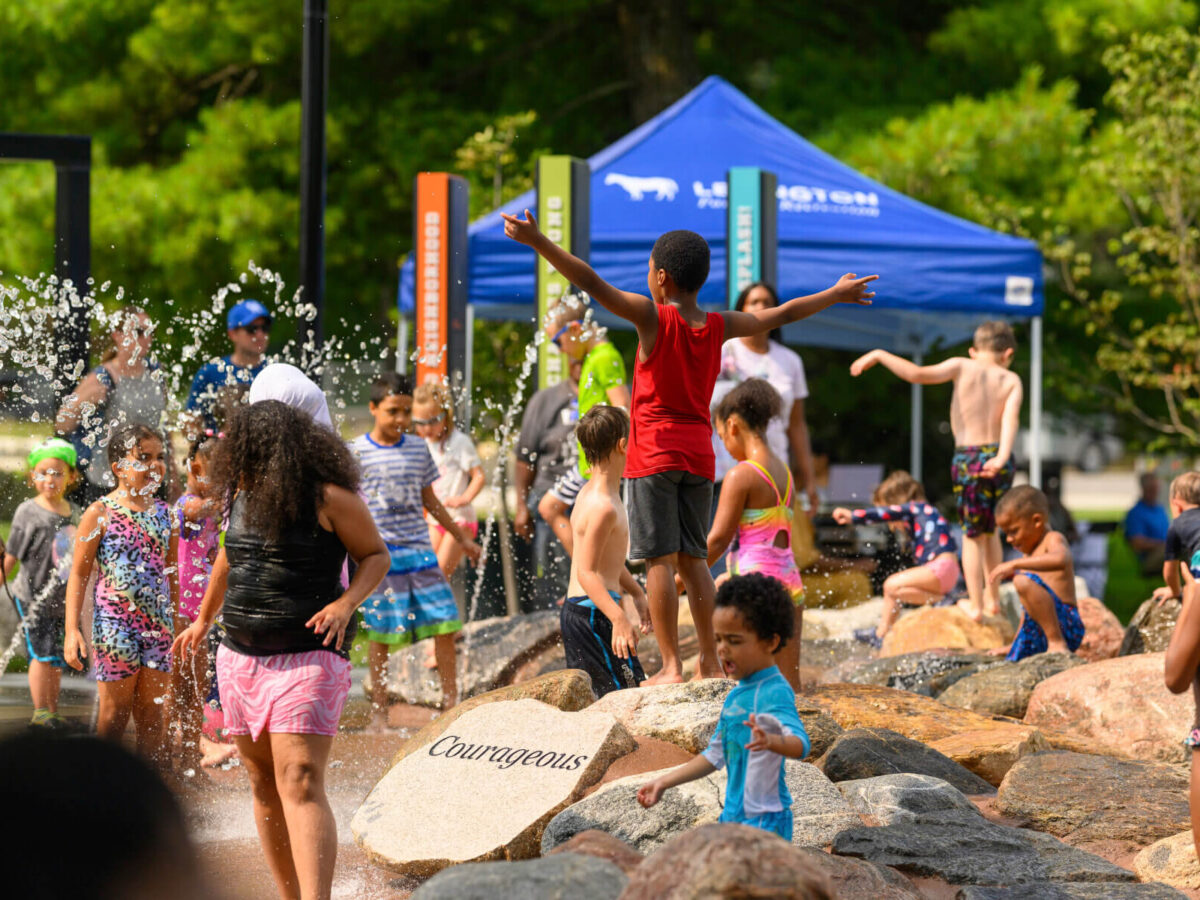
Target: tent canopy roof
<point>940,275</point>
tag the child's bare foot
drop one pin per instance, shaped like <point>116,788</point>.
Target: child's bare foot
<point>999,651</point>
<point>430,660</point>
<point>663,676</point>
<point>970,610</point>
<point>708,668</point>
<point>1057,647</point>
<point>215,753</point>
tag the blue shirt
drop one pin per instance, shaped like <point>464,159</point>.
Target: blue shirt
<point>755,778</point>
<point>1147,521</point>
<point>211,378</point>
<point>393,476</point>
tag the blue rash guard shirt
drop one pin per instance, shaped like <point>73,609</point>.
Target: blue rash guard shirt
<point>756,793</point>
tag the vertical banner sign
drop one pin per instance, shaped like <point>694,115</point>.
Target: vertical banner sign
<point>751,248</point>
<point>563,212</point>
<point>440,248</point>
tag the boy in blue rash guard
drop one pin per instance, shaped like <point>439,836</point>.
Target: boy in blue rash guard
<point>759,724</point>
<point>1044,577</point>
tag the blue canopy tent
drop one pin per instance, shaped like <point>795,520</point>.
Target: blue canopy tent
<point>940,275</point>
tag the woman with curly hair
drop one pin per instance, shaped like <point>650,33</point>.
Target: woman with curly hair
<point>289,487</point>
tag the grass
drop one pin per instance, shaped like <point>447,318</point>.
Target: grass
<point>1126,588</point>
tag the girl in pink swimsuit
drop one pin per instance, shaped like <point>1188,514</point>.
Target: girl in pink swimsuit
<point>752,513</point>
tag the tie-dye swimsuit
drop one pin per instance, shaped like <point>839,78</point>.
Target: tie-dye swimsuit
<point>757,532</point>
<point>131,627</point>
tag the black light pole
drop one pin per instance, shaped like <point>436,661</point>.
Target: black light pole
<point>315,76</point>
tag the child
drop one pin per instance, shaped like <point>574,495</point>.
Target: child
<point>601,380</point>
<point>43,530</point>
<point>1182,670</point>
<point>751,506</point>
<point>985,413</point>
<point>753,621</point>
<point>460,472</point>
<point>129,535</point>
<point>197,513</point>
<point>604,645</point>
<point>670,465</point>
<point>901,502</point>
<point>1183,537</point>
<point>1044,577</point>
<point>414,601</point>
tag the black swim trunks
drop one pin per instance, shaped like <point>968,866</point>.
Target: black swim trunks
<point>587,640</point>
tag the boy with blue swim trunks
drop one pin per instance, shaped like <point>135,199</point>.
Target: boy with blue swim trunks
<point>599,636</point>
<point>759,725</point>
<point>1044,577</point>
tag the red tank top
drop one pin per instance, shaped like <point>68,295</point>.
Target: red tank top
<point>671,424</point>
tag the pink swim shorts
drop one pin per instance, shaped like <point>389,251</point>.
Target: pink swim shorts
<point>287,693</point>
<point>945,567</point>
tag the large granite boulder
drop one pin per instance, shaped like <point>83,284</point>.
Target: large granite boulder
<point>568,876</point>
<point>990,754</point>
<point>1004,688</point>
<point>920,718</point>
<point>486,788</point>
<point>602,845</point>
<point>858,878</point>
<point>1118,706</point>
<point>490,654</point>
<point>682,714</point>
<point>819,811</point>
<point>1085,798</point>
<point>944,628</point>
<point>727,860</point>
<point>1150,628</point>
<point>569,690</point>
<point>1108,890</point>
<point>896,799</point>
<point>1171,861</point>
<point>1102,630</point>
<point>978,852</point>
<point>869,752</point>
<point>928,672</point>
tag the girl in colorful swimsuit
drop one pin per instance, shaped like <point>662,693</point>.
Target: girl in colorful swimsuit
<point>902,503</point>
<point>128,535</point>
<point>753,513</point>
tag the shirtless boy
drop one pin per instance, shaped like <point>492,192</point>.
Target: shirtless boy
<point>671,463</point>
<point>985,413</point>
<point>599,636</point>
<point>1044,577</point>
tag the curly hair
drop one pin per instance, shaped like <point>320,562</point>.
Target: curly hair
<point>685,256</point>
<point>764,603</point>
<point>281,460</point>
<point>754,401</point>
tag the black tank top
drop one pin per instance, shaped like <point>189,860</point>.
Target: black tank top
<point>275,587</point>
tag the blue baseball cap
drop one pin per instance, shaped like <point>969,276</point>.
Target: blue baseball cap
<point>246,312</point>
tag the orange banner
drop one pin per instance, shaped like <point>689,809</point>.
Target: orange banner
<point>432,276</point>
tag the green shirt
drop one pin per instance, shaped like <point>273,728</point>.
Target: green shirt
<point>602,369</point>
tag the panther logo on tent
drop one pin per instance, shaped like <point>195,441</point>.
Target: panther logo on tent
<point>638,188</point>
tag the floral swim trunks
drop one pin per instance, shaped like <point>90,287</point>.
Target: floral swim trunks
<point>975,494</point>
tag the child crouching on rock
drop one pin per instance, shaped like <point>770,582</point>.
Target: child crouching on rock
<point>599,636</point>
<point>759,724</point>
<point>1044,577</point>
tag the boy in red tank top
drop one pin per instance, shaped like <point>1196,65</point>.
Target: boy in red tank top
<point>670,462</point>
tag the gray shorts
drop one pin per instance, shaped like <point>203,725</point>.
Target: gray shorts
<point>668,513</point>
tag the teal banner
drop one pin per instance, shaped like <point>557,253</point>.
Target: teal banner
<point>751,232</point>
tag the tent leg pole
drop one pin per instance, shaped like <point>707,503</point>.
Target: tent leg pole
<point>916,438</point>
<point>402,346</point>
<point>1035,403</point>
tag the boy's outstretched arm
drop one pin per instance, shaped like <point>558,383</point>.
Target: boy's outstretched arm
<point>636,308</point>
<point>650,792</point>
<point>1010,423</point>
<point>906,369</point>
<point>848,289</point>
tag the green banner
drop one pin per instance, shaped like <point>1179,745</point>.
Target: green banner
<point>558,184</point>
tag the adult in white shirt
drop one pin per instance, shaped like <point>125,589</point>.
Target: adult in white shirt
<point>758,356</point>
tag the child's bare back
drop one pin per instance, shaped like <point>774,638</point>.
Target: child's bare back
<point>596,505</point>
<point>982,391</point>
